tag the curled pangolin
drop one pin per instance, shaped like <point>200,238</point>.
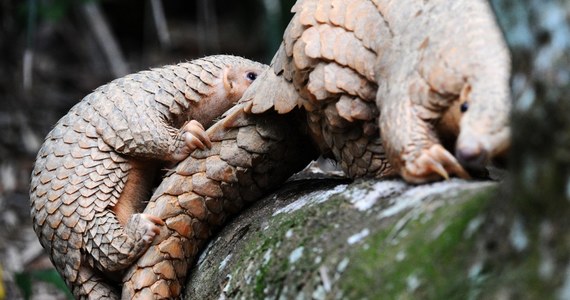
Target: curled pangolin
<point>95,167</point>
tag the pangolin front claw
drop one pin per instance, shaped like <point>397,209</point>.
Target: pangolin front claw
<point>194,137</point>
<point>432,164</point>
<point>144,226</point>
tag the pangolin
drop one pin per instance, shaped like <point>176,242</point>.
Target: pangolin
<point>250,156</point>
<point>388,84</point>
<point>96,166</point>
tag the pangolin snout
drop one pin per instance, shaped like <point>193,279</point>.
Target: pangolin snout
<point>475,150</point>
<point>471,155</point>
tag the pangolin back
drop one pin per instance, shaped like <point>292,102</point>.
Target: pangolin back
<point>326,65</point>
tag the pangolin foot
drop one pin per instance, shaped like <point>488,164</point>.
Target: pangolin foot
<point>194,137</point>
<point>433,164</point>
<point>146,226</point>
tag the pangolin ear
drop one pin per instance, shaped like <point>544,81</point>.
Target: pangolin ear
<point>228,80</point>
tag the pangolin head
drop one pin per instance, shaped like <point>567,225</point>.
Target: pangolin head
<point>484,129</point>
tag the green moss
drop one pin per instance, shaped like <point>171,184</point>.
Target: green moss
<point>425,259</point>
<point>273,271</point>
<point>312,227</point>
<point>260,282</point>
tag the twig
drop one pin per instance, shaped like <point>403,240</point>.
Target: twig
<point>208,27</point>
<point>160,23</point>
<point>28,59</point>
<point>105,38</point>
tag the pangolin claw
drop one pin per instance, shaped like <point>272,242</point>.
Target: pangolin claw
<point>432,164</point>
<point>196,131</point>
<point>146,226</point>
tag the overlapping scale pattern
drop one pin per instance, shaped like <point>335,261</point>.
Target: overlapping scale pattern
<point>327,65</point>
<point>83,166</point>
<point>250,156</point>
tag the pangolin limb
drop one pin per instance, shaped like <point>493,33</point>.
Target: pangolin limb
<point>95,168</point>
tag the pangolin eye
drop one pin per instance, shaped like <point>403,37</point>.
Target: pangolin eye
<point>251,76</point>
<point>464,107</point>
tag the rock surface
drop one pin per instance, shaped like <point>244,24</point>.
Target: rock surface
<point>331,239</point>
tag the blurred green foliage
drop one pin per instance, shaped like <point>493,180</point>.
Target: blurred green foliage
<point>2,292</point>
<point>52,10</point>
<point>25,280</point>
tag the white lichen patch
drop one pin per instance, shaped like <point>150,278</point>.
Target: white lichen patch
<point>224,262</point>
<point>413,283</point>
<point>296,255</point>
<point>475,271</point>
<point>310,199</point>
<point>248,273</point>
<point>438,230</point>
<point>355,238</point>
<point>414,196</point>
<point>364,199</point>
<point>227,288</point>
<point>342,265</point>
<point>284,292</point>
<point>473,226</point>
<point>400,256</point>
<point>204,255</point>
<point>318,260</point>
<point>267,256</point>
<point>320,293</point>
<point>426,217</point>
<point>289,234</point>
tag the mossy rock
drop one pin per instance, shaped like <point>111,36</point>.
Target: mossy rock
<point>327,239</point>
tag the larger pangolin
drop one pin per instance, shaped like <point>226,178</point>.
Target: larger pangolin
<point>387,84</point>
<point>96,166</point>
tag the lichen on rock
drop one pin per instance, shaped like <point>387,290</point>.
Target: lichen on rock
<point>333,249</point>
